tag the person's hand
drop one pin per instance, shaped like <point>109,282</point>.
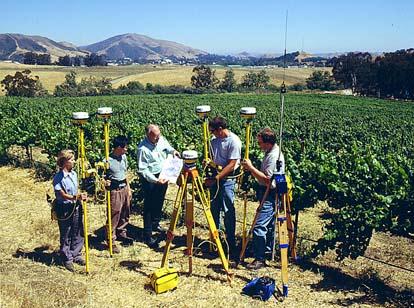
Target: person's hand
<point>82,196</point>
<point>247,164</point>
<point>162,181</point>
<point>107,183</point>
<point>209,182</point>
<point>177,154</point>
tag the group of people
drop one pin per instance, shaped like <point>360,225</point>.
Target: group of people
<point>152,151</point>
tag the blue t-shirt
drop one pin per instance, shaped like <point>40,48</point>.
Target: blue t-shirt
<point>118,166</point>
<point>225,149</point>
<point>67,181</point>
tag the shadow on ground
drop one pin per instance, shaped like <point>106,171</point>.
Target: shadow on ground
<point>375,289</point>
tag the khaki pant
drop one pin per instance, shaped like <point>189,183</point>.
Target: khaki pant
<point>120,212</point>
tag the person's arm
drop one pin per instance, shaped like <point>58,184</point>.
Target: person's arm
<point>78,196</point>
<point>229,168</point>
<point>170,149</point>
<point>259,175</point>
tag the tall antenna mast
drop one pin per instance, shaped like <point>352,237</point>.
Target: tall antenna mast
<point>282,98</point>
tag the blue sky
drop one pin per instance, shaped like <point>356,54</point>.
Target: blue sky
<point>225,26</point>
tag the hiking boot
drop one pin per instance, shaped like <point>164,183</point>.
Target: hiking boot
<point>80,261</point>
<point>256,265</point>
<point>69,266</point>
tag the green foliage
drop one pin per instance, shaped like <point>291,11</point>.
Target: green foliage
<point>22,84</point>
<point>254,80</point>
<point>229,83</point>
<point>204,77</point>
<point>388,76</point>
<point>355,153</point>
<point>87,87</point>
<point>321,80</point>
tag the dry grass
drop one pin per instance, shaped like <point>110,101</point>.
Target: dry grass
<point>51,75</point>
<point>32,277</point>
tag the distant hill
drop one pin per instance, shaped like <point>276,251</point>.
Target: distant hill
<point>13,46</point>
<point>141,47</point>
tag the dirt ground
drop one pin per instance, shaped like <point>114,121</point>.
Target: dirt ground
<point>31,275</point>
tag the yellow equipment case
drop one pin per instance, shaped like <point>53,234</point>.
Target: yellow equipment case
<point>164,279</point>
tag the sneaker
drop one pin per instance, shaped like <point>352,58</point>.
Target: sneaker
<point>115,249</point>
<point>152,242</point>
<point>158,228</point>
<point>126,240</point>
<point>69,266</point>
<point>256,265</point>
<point>80,261</point>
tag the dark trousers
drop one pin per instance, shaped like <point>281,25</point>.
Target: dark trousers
<point>71,231</point>
<point>154,195</point>
<point>120,212</point>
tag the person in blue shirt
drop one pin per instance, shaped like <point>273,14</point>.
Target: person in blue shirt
<point>263,231</point>
<point>226,153</point>
<point>152,151</point>
<point>120,191</point>
<point>68,210</point>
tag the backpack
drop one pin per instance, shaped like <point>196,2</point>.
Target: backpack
<point>261,288</point>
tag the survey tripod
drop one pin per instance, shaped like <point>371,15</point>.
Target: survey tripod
<point>190,188</point>
<point>79,119</point>
<point>105,114</point>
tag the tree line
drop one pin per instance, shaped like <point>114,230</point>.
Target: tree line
<point>202,81</point>
<point>92,59</point>
<point>387,76</point>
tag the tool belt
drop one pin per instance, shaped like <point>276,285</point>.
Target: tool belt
<point>115,184</point>
<point>164,279</point>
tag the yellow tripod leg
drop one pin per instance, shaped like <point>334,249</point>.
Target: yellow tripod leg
<point>212,226</point>
<point>174,219</point>
<point>291,230</point>
<point>84,204</point>
<point>189,221</point>
<point>108,193</point>
<point>85,233</point>
<point>283,243</point>
<point>244,226</point>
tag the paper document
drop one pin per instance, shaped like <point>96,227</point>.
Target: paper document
<point>171,169</point>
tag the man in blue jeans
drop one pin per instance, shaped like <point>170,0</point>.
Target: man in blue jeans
<point>226,153</point>
<point>263,230</point>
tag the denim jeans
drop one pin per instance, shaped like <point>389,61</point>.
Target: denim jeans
<point>224,201</point>
<point>263,231</point>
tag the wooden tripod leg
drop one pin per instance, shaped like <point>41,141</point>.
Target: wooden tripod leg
<point>197,185</point>
<point>283,243</point>
<point>275,230</point>
<point>291,229</point>
<point>174,219</point>
<point>189,221</point>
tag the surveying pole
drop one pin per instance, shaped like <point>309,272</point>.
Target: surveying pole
<point>247,113</point>
<point>203,112</point>
<point>190,176</point>
<point>79,119</point>
<point>105,114</point>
